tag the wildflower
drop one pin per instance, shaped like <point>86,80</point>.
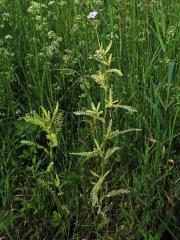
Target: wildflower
<point>51,3</point>
<point>92,15</point>
<point>8,37</point>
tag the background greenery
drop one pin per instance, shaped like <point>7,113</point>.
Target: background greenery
<point>47,55</point>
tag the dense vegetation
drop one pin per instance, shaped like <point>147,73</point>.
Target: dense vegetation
<point>89,119</point>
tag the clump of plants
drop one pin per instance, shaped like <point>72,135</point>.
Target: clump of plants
<point>47,180</point>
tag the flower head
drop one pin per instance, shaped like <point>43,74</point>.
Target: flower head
<point>92,15</point>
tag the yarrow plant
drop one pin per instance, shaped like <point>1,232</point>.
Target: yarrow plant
<point>101,124</point>
<point>50,124</point>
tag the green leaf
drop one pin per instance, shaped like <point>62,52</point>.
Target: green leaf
<point>57,181</point>
<point>36,120</point>
<point>31,143</point>
<point>87,155</point>
<point>129,130</point>
<point>127,108</point>
<point>55,112</point>
<point>95,190</point>
<point>94,174</point>
<point>110,151</point>
<point>117,192</point>
<point>50,167</point>
<point>52,137</point>
<point>108,47</point>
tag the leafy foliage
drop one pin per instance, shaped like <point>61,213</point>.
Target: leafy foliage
<point>51,125</point>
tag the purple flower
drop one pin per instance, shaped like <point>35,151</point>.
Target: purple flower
<point>92,15</point>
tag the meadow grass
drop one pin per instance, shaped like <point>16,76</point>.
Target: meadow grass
<point>95,176</point>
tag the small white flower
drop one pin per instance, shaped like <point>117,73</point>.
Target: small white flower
<point>51,3</point>
<point>92,15</point>
<point>8,37</point>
